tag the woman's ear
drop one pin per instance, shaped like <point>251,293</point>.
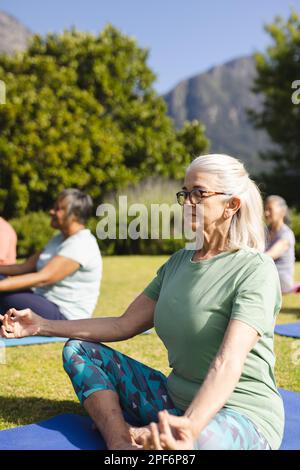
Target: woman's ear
<point>232,207</point>
<point>235,204</point>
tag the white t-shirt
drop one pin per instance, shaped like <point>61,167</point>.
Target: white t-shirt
<point>75,295</point>
<point>285,264</point>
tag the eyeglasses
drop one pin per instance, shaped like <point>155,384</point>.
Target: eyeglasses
<point>196,195</point>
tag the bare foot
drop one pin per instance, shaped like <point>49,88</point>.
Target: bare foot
<point>135,432</point>
<point>126,446</point>
<point>138,434</point>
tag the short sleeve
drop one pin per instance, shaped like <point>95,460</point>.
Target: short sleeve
<point>76,250</point>
<point>258,297</point>
<point>153,289</point>
<point>288,234</point>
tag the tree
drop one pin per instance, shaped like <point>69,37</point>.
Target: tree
<point>192,137</point>
<point>81,111</point>
<point>277,70</point>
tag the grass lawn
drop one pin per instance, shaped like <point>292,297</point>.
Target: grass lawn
<point>34,385</point>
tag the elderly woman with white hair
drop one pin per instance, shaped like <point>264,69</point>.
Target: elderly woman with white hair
<point>214,308</point>
<point>281,242</point>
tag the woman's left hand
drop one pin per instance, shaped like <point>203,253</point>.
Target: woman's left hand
<point>171,432</point>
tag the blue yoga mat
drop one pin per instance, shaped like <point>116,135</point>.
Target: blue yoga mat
<point>40,340</point>
<point>31,340</point>
<point>288,329</point>
<point>63,432</point>
<point>291,438</point>
<point>73,432</point>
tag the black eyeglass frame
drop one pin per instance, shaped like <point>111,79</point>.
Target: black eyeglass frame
<point>187,194</point>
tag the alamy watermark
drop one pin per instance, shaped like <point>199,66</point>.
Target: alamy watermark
<point>296,95</point>
<point>157,221</point>
<point>2,92</point>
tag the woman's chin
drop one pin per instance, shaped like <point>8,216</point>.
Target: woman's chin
<point>54,224</point>
<point>191,228</point>
<point>189,224</point>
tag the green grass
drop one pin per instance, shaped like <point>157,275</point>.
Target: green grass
<point>35,387</point>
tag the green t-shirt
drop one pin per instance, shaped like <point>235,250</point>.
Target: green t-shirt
<point>195,302</point>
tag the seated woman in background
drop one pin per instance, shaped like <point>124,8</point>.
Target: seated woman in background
<point>62,281</point>
<point>281,242</point>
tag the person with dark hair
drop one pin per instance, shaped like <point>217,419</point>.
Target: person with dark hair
<point>63,280</point>
<point>280,244</point>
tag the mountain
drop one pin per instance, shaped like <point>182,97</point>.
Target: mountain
<point>13,35</point>
<point>219,98</point>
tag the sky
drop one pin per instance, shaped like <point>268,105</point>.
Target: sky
<point>184,37</point>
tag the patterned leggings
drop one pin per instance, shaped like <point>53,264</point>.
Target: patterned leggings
<point>143,392</point>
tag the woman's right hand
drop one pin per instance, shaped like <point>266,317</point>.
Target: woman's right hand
<point>20,323</point>
<point>170,433</point>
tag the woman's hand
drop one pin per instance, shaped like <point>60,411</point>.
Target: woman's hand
<point>171,432</point>
<point>55,270</point>
<point>20,323</point>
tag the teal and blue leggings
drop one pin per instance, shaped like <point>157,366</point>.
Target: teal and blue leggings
<point>142,392</point>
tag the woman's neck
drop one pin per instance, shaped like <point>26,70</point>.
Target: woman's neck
<point>275,226</point>
<point>72,229</point>
<point>214,242</point>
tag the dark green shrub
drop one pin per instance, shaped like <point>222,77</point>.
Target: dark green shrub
<point>34,232</point>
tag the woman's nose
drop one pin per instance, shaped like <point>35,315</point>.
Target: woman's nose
<point>187,201</point>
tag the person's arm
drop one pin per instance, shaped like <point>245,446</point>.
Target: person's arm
<point>4,249</point>
<point>256,303</point>
<point>28,266</point>
<point>180,432</point>
<point>55,270</point>
<point>278,249</point>
<point>223,375</point>
<point>137,318</point>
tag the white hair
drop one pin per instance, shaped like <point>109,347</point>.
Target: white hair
<point>247,227</point>
<point>283,204</point>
